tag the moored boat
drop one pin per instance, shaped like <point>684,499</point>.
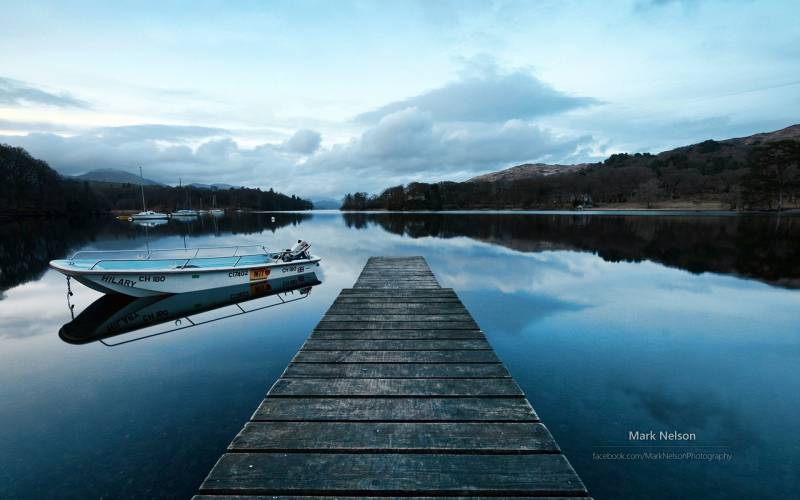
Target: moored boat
<point>185,213</point>
<point>146,214</point>
<point>145,273</point>
<point>149,215</point>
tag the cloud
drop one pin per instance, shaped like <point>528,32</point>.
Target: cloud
<point>214,160</point>
<point>408,145</point>
<point>489,96</point>
<point>17,93</point>
<point>404,146</point>
<point>304,142</point>
<point>160,132</point>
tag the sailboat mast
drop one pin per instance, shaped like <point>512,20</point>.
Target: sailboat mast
<point>141,185</point>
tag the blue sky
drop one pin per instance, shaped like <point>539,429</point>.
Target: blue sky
<point>323,97</point>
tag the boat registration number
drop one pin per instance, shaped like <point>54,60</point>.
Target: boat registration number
<point>260,273</point>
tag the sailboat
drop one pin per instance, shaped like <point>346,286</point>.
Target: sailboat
<point>146,214</point>
<point>215,210</point>
<point>187,212</point>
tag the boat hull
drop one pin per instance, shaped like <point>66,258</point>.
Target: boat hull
<point>150,217</point>
<point>148,283</point>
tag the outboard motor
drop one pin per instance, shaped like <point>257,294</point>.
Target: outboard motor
<point>297,252</point>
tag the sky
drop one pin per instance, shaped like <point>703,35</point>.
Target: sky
<point>321,98</point>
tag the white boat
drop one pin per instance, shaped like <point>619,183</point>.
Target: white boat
<point>145,273</point>
<point>146,214</point>
<point>214,210</point>
<point>186,213</point>
<point>149,215</point>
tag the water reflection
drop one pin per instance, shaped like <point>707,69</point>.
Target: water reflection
<point>115,314</point>
<point>759,247</point>
<point>608,323</point>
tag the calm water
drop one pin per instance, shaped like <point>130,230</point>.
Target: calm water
<point>610,324</point>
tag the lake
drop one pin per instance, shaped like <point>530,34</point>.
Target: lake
<point>610,323</point>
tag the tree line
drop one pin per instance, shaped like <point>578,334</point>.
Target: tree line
<point>733,174</point>
<point>29,186</point>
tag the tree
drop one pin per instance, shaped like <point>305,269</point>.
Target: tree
<point>650,191</point>
<point>774,173</point>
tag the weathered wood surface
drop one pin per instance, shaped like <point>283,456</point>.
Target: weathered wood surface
<point>396,392</point>
<point>394,437</point>
<point>394,345</point>
<point>396,370</point>
<point>341,497</point>
<point>392,474</point>
<point>396,410</point>
<point>397,334</point>
<point>469,356</point>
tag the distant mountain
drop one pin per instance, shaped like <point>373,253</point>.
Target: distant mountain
<point>326,204</point>
<point>527,171</point>
<point>115,176</point>
<point>211,186</point>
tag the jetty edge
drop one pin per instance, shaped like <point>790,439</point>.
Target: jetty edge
<point>396,392</point>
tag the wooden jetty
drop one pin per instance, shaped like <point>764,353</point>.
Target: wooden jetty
<point>395,393</point>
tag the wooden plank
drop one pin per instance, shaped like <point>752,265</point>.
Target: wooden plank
<point>397,325</point>
<point>423,278</point>
<point>340,497</point>
<point>404,304</point>
<point>474,356</point>
<point>395,370</point>
<point>402,307</point>
<point>397,273</point>
<point>395,308</point>
<point>393,285</point>
<point>380,387</point>
<point>404,276</point>
<point>398,317</point>
<point>366,292</point>
<point>398,334</point>
<point>396,300</point>
<point>394,345</point>
<point>396,409</point>
<point>392,474</point>
<point>394,437</point>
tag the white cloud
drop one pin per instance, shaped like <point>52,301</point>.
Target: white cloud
<point>491,95</point>
<point>303,142</point>
<point>17,93</point>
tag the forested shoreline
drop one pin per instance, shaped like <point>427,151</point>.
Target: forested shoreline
<point>28,186</point>
<point>733,174</point>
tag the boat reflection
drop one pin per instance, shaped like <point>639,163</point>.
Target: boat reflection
<point>115,314</point>
<point>150,223</point>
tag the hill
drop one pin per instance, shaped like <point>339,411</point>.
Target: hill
<point>527,171</point>
<point>29,186</point>
<point>761,171</point>
<point>115,176</point>
<point>326,204</point>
